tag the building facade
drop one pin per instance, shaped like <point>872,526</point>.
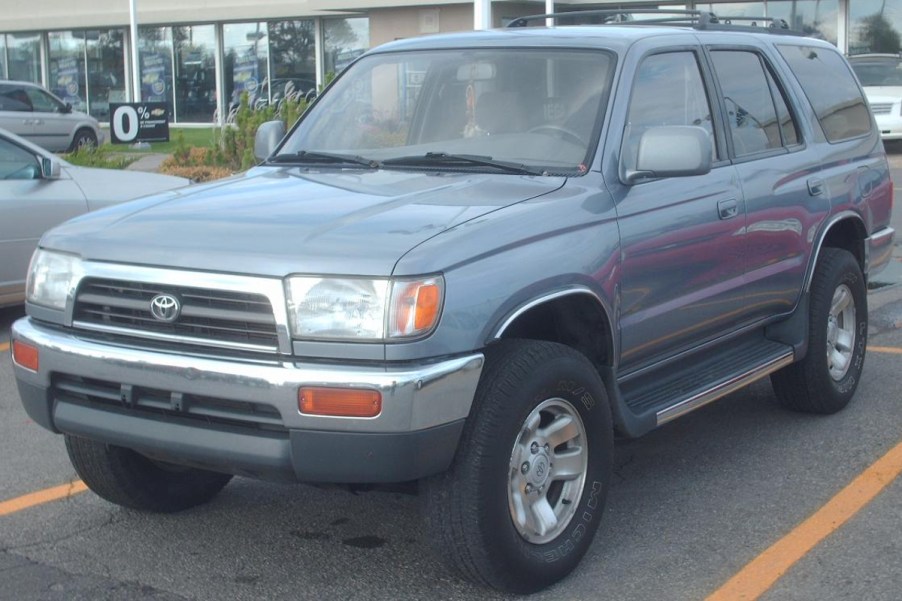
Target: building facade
<point>201,55</point>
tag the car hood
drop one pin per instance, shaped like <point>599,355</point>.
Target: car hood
<point>103,187</point>
<point>278,221</point>
<point>883,94</point>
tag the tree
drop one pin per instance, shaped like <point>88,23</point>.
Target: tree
<point>878,35</point>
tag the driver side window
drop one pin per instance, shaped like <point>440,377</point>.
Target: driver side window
<point>17,163</point>
<point>41,101</point>
<point>668,90</point>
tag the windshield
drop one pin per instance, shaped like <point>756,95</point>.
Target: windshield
<point>538,109</point>
<point>880,72</point>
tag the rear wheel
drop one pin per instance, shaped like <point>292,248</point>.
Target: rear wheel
<point>127,478</point>
<point>519,507</point>
<point>826,379</point>
<point>84,139</point>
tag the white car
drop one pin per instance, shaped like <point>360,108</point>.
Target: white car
<point>881,77</point>
<point>32,112</point>
<point>38,190</point>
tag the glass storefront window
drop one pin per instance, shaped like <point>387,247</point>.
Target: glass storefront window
<point>815,18</point>
<point>24,54</point>
<point>292,48</point>
<point>195,73</point>
<point>155,60</point>
<point>344,40</point>
<point>874,26</point>
<point>106,70</point>
<point>67,67</point>
<point>246,63</point>
<point>735,9</point>
<point>3,72</point>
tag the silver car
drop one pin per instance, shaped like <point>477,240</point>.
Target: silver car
<point>37,115</point>
<point>39,190</point>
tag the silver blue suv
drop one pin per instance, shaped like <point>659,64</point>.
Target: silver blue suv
<point>471,262</point>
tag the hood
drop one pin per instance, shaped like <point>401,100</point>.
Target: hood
<point>883,94</point>
<point>279,221</point>
<point>103,187</point>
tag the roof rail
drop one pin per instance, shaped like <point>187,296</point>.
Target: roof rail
<point>692,18</point>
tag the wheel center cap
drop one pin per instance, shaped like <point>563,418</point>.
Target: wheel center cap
<point>539,470</point>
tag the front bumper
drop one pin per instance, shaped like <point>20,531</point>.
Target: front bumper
<point>241,416</point>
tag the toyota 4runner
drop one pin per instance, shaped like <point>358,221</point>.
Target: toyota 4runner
<point>473,260</point>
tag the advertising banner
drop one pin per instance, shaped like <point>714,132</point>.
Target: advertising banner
<point>139,122</point>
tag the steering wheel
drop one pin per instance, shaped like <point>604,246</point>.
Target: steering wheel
<point>560,132</point>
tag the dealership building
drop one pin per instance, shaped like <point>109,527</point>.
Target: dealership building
<point>201,55</point>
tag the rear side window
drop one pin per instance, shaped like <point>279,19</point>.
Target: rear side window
<point>830,87</point>
<point>757,113</point>
<point>14,99</point>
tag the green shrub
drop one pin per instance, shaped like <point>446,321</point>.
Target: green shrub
<point>99,156</point>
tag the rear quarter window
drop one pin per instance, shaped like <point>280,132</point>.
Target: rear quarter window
<point>831,89</point>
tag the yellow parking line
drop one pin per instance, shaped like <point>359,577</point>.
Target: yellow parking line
<point>4,346</point>
<point>886,349</point>
<point>42,496</point>
<point>762,572</point>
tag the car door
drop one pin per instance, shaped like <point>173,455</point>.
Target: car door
<point>15,110</point>
<point>52,121</point>
<point>29,206</point>
<point>682,237</point>
<point>780,169</point>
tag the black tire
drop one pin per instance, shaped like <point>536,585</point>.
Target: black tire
<point>84,138</point>
<point>818,383</point>
<point>470,508</point>
<point>129,479</point>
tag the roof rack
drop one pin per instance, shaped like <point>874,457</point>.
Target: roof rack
<point>696,19</point>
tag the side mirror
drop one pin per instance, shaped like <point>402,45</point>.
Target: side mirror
<point>67,108</point>
<point>672,151</point>
<point>268,136</point>
<point>50,168</point>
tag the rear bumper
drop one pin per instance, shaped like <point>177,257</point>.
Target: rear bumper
<point>879,249</point>
<point>242,417</point>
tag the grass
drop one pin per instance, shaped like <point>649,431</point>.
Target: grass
<point>204,137</point>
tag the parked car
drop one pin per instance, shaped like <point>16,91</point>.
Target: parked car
<point>881,76</point>
<point>474,258</point>
<point>30,111</point>
<point>38,190</point>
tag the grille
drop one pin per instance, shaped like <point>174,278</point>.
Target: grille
<point>882,108</point>
<point>151,401</point>
<point>209,317</point>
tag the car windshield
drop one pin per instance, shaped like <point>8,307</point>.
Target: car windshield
<point>878,72</point>
<point>512,111</point>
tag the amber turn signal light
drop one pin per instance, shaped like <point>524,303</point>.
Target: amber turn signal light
<point>25,355</point>
<point>339,402</point>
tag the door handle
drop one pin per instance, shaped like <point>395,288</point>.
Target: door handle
<point>727,209</point>
<point>815,186</point>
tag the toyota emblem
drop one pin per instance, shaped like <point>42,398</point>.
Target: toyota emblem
<point>165,307</point>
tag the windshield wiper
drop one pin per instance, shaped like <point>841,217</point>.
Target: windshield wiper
<point>444,159</point>
<point>324,158</point>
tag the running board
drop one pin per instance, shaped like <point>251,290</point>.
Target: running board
<point>662,395</point>
<point>721,390</point>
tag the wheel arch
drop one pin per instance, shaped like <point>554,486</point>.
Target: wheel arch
<point>845,230</point>
<point>576,317</point>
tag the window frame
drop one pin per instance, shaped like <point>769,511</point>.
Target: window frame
<point>782,88</point>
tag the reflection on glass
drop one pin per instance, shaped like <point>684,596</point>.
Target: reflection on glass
<point>245,68</point>
<point>344,40</point>
<point>195,73</point>
<point>735,9</point>
<point>874,26</point>
<point>814,18</point>
<point>24,54</point>
<point>67,67</point>
<point>3,72</point>
<point>106,70</point>
<point>155,60</point>
<point>293,58</point>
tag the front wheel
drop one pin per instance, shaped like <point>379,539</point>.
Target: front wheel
<point>826,379</point>
<point>84,140</point>
<point>521,503</point>
<point>125,477</point>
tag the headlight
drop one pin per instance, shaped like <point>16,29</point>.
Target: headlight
<point>52,277</point>
<point>362,309</point>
